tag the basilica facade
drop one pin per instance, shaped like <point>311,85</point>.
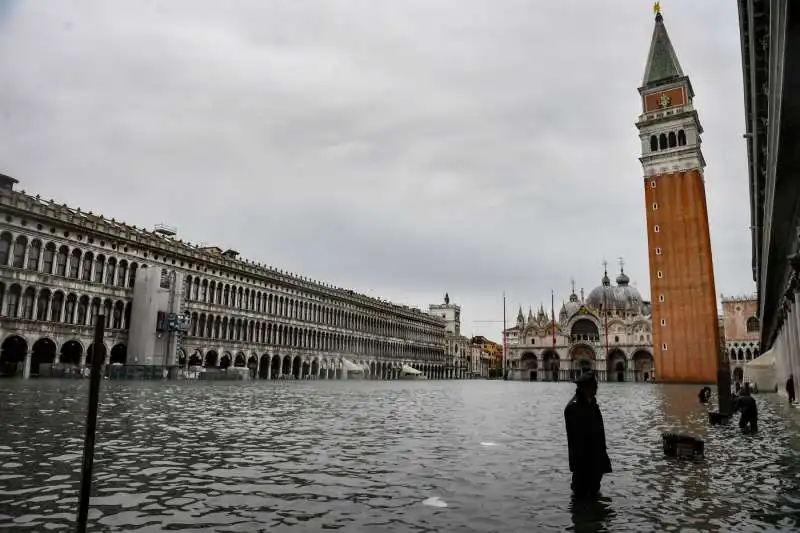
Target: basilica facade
<point>609,331</point>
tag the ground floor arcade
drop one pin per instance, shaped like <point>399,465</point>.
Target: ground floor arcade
<point>311,366</point>
<point>19,356</point>
<point>620,365</point>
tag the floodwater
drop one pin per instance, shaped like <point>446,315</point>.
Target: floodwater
<point>485,456</point>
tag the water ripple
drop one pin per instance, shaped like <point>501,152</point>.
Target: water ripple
<point>382,456</point>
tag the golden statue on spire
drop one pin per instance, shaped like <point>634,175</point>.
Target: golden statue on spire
<point>657,8</point>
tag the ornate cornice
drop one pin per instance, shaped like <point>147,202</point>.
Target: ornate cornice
<point>49,211</point>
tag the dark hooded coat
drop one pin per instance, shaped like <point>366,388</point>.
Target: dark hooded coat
<point>586,437</point>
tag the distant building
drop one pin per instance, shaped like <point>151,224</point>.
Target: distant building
<point>457,350</point>
<point>490,357</point>
<point>742,331</point>
<point>450,313</point>
<point>608,332</point>
<point>479,363</point>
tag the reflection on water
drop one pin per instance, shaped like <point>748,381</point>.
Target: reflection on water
<point>382,456</point>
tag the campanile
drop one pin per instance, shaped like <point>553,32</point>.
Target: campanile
<point>684,302</point>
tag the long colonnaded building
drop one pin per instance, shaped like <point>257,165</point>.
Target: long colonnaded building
<point>770,40</point>
<point>172,305</point>
<point>684,308</point>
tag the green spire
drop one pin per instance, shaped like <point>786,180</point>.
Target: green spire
<point>662,63</point>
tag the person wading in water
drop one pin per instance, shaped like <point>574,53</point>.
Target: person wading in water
<point>586,439</point>
<point>705,395</point>
<point>790,388</point>
<point>747,405</point>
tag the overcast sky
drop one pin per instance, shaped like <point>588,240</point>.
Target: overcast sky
<point>400,148</point>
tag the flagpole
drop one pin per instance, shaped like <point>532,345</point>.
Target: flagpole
<point>505,343</point>
<point>553,315</point>
<point>606,325</point>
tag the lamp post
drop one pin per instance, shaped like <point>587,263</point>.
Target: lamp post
<point>98,356</point>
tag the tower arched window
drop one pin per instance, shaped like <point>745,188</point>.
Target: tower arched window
<point>653,143</point>
<point>681,138</point>
<point>662,141</point>
<point>752,324</point>
<point>673,141</point>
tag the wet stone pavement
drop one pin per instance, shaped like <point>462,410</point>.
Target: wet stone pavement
<point>382,456</point>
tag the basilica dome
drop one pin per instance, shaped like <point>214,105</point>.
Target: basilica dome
<point>621,297</point>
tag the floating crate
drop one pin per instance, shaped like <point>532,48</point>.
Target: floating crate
<point>683,446</point>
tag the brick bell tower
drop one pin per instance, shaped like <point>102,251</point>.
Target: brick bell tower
<point>685,336</point>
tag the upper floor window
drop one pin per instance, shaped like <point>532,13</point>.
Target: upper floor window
<point>5,248</point>
<point>19,252</point>
<point>752,324</point>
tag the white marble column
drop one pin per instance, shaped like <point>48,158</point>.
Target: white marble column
<point>793,355</point>
<point>26,368</point>
<point>783,346</point>
<point>791,325</point>
<point>786,346</point>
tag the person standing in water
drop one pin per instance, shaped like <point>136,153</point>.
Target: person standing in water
<point>790,388</point>
<point>586,439</point>
<point>705,395</point>
<point>747,405</point>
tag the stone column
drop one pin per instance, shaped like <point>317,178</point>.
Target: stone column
<point>786,338</point>
<point>779,347</point>
<point>786,344</point>
<point>26,368</point>
<point>791,325</point>
<point>793,356</point>
<point>27,254</point>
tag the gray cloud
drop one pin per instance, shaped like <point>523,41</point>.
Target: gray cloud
<point>399,148</point>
